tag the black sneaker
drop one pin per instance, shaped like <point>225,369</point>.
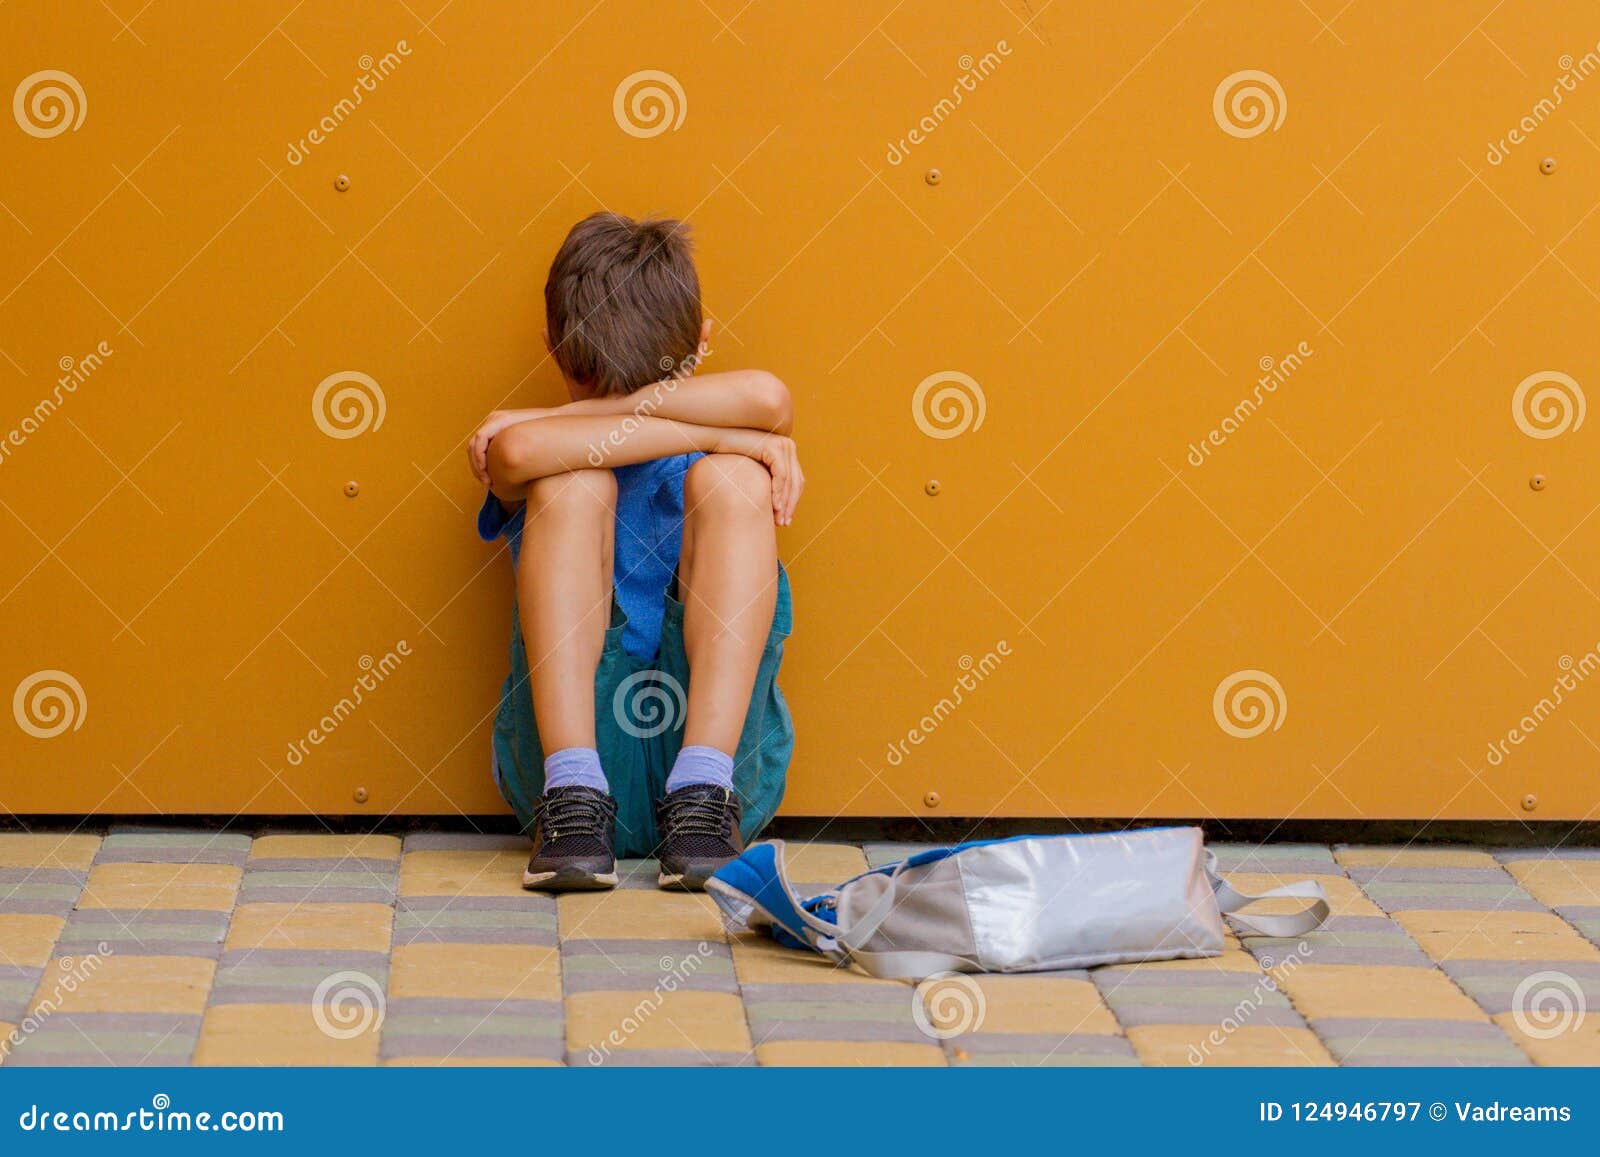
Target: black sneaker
<point>572,841</point>
<point>699,833</point>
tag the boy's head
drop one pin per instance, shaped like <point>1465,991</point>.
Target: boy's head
<point>622,304</point>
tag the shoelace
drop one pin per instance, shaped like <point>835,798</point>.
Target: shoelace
<point>582,812</point>
<point>698,815</point>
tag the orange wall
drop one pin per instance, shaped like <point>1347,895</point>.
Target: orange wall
<point>1108,257</point>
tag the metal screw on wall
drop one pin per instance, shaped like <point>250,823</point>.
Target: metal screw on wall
<point>931,799</point>
<point>1547,166</point>
<point>351,489</point>
<point>1537,482</point>
<point>1530,802</point>
<point>931,488</point>
<point>933,176</point>
<point>341,182</point>
<point>359,795</point>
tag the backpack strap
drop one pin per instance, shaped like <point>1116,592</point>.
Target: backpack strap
<point>1230,900</point>
<point>896,965</point>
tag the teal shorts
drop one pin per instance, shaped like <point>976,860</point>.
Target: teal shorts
<point>639,710</point>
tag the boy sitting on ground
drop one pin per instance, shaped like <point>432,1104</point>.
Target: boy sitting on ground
<point>642,521</point>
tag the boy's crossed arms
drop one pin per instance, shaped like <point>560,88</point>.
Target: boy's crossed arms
<point>647,552</point>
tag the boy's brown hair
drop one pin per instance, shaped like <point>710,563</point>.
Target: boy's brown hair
<point>622,303</point>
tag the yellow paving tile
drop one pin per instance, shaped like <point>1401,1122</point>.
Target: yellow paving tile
<point>1207,1045</point>
<point>758,960</point>
<point>833,863</point>
<point>1577,1044</point>
<point>47,849</point>
<point>131,984</point>
<point>325,846</point>
<point>1559,882</point>
<point>356,927</point>
<point>882,1054</point>
<point>638,913</point>
<point>1529,936</point>
<point>1038,1004</point>
<point>472,1063</point>
<point>279,1034</point>
<point>1395,856</point>
<point>1344,897</point>
<point>27,940</point>
<point>613,1021</point>
<point>476,971</point>
<point>458,873</point>
<point>1319,990</point>
<point>206,886</point>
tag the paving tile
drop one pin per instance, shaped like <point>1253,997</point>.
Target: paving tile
<point>1411,856</point>
<point>18,983</point>
<point>463,872</point>
<point>458,1062</point>
<point>1277,1046</point>
<point>283,1034</point>
<point>167,984</point>
<point>761,960</point>
<point>617,1022</point>
<point>1560,852</point>
<point>1559,881</point>
<point>1496,935</point>
<point>143,932</point>
<point>464,842</point>
<point>850,1054</point>
<point>661,1058</point>
<point>313,881</point>
<point>324,847</point>
<point>1040,1050</point>
<point>1342,940</point>
<point>48,850</point>
<point>1368,1041</point>
<point>829,864</point>
<point>880,853</point>
<point>639,915</point>
<point>171,846</point>
<point>1276,859</point>
<point>1194,997</point>
<point>453,1028</point>
<point>1544,991</point>
<point>124,886</point>
<point>40,891</point>
<point>1584,918</point>
<point>830,1012</point>
<point>1033,1005</point>
<point>476,971</point>
<point>26,938</point>
<point>1360,991</point>
<point>632,965</point>
<point>332,926</point>
<point>296,975</point>
<point>119,1039</point>
<point>528,919</point>
<point>1476,889</point>
<point>1575,1041</point>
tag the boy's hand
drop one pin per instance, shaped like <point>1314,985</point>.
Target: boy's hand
<point>780,456</point>
<point>478,444</point>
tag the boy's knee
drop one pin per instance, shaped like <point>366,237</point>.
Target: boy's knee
<point>578,490</point>
<point>728,481</point>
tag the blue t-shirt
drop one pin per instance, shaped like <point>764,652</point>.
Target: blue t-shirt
<point>649,538</point>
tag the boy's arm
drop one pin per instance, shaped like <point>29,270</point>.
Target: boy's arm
<point>565,442</point>
<point>735,399</point>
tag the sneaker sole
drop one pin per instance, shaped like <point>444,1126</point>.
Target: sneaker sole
<point>566,880</point>
<point>681,882</point>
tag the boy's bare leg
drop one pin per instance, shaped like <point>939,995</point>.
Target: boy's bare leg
<point>728,582</point>
<point>564,596</point>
